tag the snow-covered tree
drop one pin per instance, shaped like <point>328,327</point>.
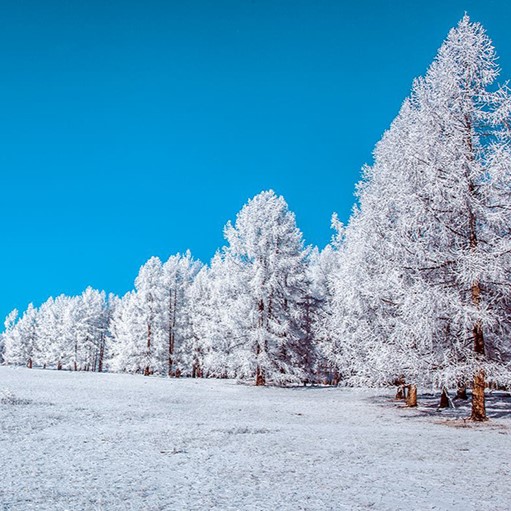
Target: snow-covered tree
<point>151,327</point>
<point>266,249</point>
<point>368,284</point>
<point>218,318</point>
<point>128,332</point>
<point>322,265</point>
<point>203,324</point>
<point>10,339</point>
<point>55,324</point>
<point>179,272</point>
<point>89,329</point>
<point>424,285</point>
<point>466,172</point>
<point>20,337</point>
<point>138,323</point>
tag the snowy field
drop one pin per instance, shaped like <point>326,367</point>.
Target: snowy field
<point>83,441</point>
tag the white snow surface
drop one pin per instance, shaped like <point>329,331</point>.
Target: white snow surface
<point>88,441</point>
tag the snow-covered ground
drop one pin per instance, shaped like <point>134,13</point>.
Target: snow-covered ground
<point>81,441</point>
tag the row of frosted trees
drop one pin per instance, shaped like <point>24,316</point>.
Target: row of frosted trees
<point>251,313</point>
<point>416,288</point>
<point>65,333</point>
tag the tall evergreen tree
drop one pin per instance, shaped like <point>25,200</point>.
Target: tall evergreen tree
<point>128,332</point>
<point>20,337</point>
<point>428,252</point>
<point>151,303</point>
<point>178,274</point>
<point>267,249</point>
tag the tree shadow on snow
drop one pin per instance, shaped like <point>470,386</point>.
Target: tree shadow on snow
<point>498,405</point>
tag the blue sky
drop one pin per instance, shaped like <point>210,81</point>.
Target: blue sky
<point>131,129</point>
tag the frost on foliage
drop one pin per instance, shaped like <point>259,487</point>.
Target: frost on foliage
<point>65,333</point>
<point>265,251</point>
<point>426,257</point>
<point>151,326</point>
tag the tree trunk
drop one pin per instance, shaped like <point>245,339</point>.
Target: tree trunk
<point>147,369</point>
<point>101,354</point>
<point>401,392</point>
<point>95,359</point>
<point>461,393</point>
<point>478,399</point>
<point>411,400</point>
<point>444,399</point>
<point>29,363</point>
<point>172,333</point>
<point>170,371</point>
<point>59,365</point>
<point>260,378</point>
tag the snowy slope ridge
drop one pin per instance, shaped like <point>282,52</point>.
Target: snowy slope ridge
<point>84,441</point>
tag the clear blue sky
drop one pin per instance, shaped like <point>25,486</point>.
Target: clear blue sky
<point>130,129</point>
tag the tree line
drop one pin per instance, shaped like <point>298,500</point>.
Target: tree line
<point>415,289</point>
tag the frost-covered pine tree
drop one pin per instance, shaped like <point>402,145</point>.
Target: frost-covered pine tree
<point>66,333</point>
<point>178,274</point>
<point>55,338</point>
<point>128,332</point>
<point>151,327</point>
<point>89,329</point>
<point>151,303</point>
<point>426,256</point>
<point>203,324</point>
<point>265,250</point>
<point>216,327</point>
<point>465,170</point>
<point>11,344</point>
<point>365,345</point>
<point>20,337</point>
<point>321,266</point>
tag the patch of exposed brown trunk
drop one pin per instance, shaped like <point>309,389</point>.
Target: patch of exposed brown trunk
<point>411,399</point>
<point>444,399</point>
<point>260,378</point>
<point>461,393</point>
<point>101,355</point>
<point>478,398</point>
